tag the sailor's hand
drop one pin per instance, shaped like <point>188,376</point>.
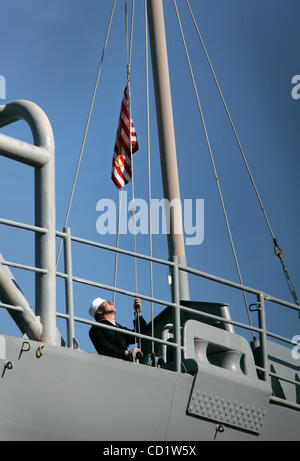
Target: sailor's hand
<point>137,305</point>
<point>135,349</point>
<point>136,353</point>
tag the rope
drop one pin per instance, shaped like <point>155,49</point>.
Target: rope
<point>128,64</point>
<point>149,173</point>
<point>87,126</point>
<point>128,60</point>
<point>133,209</point>
<point>213,163</point>
<point>277,249</point>
<point>129,110</point>
<point>117,244</point>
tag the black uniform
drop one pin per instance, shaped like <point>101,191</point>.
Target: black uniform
<point>113,343</point>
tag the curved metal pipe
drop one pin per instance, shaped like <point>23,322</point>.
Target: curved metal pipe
<point>42,157</point>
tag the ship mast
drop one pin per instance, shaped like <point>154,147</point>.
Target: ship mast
<point>164,114</point>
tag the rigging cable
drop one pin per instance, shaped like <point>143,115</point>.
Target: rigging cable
<point>117,244</point>
<point>128,63</point>
<point>213,163</point>
<point>87,125</point>
<point>149,172</point>
<point>277,249</point>
<point>120,192</point>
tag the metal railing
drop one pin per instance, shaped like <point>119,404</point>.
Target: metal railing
<point>175,267</point>
<point>177,343</point>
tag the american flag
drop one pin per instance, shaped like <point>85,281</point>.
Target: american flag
<point>121,165</point>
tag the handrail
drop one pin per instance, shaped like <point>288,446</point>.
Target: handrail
<point>110,327</point>
<point>239,286</point>
<point>215,278</point>
<point>120,250</point>
<point>13,308</point>
<point>285,403</point>
<point>266,296</point>
<point>24,266</point>
<point>9,222</point>
<point>70,278</point>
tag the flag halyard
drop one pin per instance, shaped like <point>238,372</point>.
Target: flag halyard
<point>121,164</point>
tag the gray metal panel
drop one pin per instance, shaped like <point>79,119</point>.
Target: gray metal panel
<point>218,309</point>
<point>62,394</point>
<point>282,363</point>
<point>163,325</point>
<point>225,362</point>
<point>212,398</point>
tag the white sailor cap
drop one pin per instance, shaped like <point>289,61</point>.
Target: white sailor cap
<point>95,305</point>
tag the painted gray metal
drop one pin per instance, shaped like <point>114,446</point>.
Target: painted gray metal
<point>164,114</point>
<point>225,362</point>
<point>62,394</point>
<point>282,364</point>
<point>218,309</point>
<point>10,293</point>
<point>53,393</point>
<point>18,307</point>
<point>69,287</point>
<point>41,157</point>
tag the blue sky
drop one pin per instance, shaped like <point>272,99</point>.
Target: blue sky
<point>50,53</point>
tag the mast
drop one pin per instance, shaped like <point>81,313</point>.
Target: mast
<point>168,157</point>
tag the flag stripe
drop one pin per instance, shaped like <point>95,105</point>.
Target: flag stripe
<point>121,165</point>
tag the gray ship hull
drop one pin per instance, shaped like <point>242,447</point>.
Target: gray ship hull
<point>54,393</point>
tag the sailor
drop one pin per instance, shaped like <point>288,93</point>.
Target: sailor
<point>110,342</point>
